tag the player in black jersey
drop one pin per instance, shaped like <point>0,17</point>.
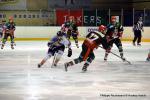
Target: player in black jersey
<point>92,41</point>
<point>113,36</point>
<point>72,29</point>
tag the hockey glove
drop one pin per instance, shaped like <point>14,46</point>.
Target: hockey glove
<point>69,52</point>
<point>49,44</point>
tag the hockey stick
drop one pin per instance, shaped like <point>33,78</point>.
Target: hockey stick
<point>118,56</point>
<point>53,60</point>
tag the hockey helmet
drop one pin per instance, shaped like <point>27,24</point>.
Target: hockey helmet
<point>102,28</point>
<point>71,18</point>
<point>113,18</point>
<point>59,33</point>
<point>10,17</point>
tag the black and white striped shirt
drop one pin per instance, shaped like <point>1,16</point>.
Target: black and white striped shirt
<point>138,26</point>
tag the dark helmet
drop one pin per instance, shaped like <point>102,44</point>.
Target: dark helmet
<point>59,33</point>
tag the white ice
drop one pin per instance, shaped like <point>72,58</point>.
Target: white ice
<point>20,79</point>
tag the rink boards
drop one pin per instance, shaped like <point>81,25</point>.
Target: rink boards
<point>45,32</point>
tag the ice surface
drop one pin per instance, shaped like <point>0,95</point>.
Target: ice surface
<point>20,79</point>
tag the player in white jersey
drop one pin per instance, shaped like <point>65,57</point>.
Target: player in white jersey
<point>57,46</point>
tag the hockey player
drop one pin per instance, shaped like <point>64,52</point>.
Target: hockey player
<point>57,45</point>
<point>9,31</point>
<point>2,29</point>
<point>72,29</point>
<point>113,36</point>
<point>92,41</point>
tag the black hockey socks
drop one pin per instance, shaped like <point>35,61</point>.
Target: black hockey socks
<point>78,60</point>
<point>106,54</point>
<point>88,62</point>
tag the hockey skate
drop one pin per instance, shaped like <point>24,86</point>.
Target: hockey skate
<point>148,57</point>
<point>134,44</point>
<point>138,44</point>
<point>2,47</point>
<point>84,69</point>
<point>39,65</point>
<point>106,55</point>
<point>55,65</point>
<point>77,45</point>
<point>122,57</point>
<point>105,58</point>
<point>12,46</point>
<point>67,65</point>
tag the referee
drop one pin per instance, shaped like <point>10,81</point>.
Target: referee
<point>138,29</point>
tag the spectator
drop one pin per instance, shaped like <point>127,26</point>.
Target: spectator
<point>71,2</point>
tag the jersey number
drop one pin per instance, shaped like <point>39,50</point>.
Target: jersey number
<point>93,36</point>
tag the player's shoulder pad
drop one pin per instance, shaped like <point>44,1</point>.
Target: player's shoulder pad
<point>54,38</point>
<point>120,26</point>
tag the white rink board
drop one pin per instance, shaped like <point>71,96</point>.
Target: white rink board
<point>46,32</point>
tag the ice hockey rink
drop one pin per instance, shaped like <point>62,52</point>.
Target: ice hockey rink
<point>20,79</point>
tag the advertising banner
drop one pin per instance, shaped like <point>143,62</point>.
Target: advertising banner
<point>63,15</point>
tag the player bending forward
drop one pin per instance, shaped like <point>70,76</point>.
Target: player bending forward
<point>9,31</point>
<point>57,45</point>
<point>92,41</point>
